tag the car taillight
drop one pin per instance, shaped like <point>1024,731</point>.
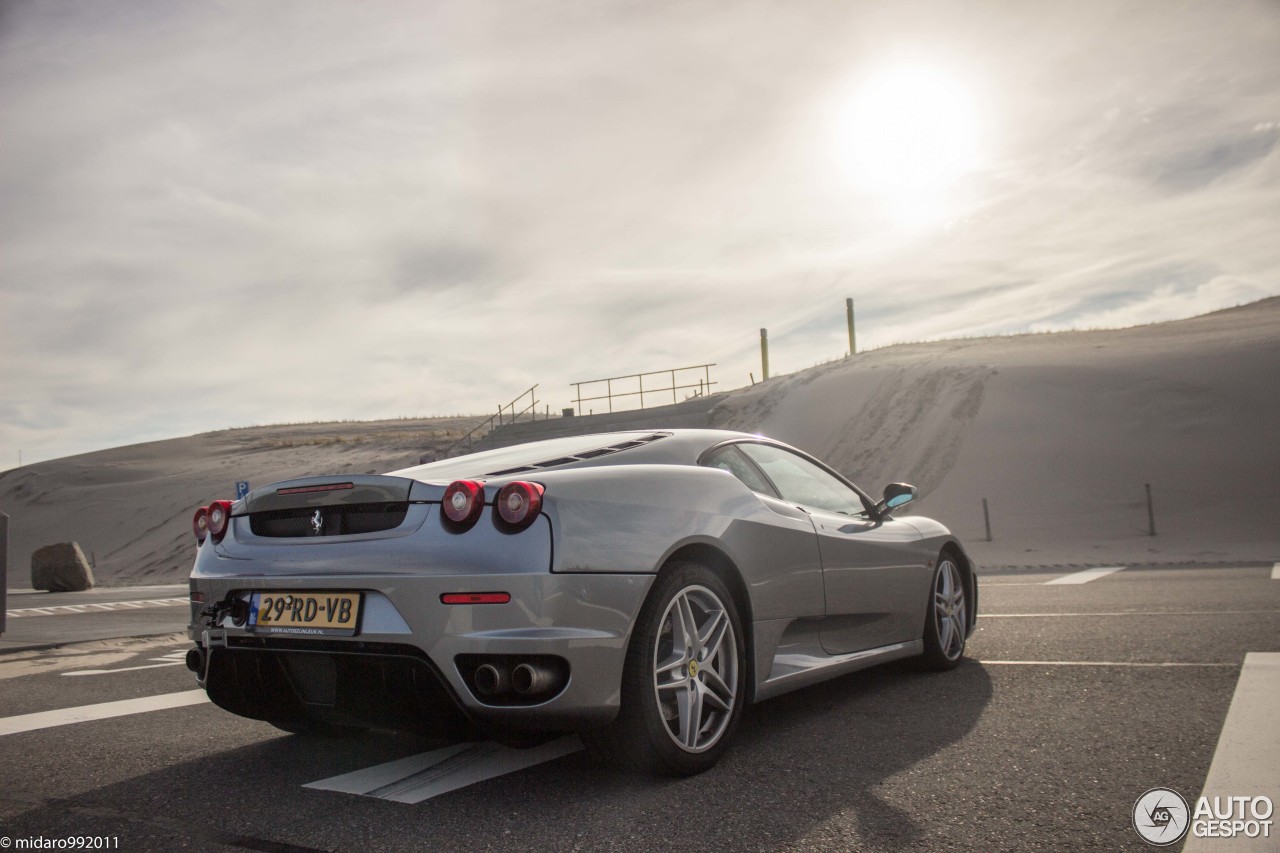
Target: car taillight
<point>200,524</point>
<point>462,504</point>
<point>219,517</point>
<point>518,504</point>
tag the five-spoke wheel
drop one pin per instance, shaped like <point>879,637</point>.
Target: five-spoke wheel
<point>947,624</point>
<point>683,684</point>
<point>696,668</point>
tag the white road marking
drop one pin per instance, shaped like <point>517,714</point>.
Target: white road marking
<point>125,668</point>
<point>1135,613</point>
<point>989,584</point>
<point>1275,572</point>
<point>1094,663</point>
<point>1085,576</point>
<point>430,774</point>
<point>64,609</point>
<point>1246,762</point>
<point>102,711</point>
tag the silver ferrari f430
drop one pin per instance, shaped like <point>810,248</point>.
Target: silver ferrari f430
<point>639,588</point>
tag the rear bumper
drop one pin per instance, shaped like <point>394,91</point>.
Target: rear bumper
<point>401,669</point>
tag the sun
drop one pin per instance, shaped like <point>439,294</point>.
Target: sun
<point>908,133</point>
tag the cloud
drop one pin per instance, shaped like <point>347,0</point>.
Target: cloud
<point>222,214</point>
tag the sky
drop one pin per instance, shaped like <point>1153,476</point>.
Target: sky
<point>230,213</point>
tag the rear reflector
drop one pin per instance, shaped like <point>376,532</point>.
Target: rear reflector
<point>475,598</point>
<point>326,487</point>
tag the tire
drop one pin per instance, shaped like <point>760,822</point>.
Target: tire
<point>946,621</point>
<point>679,709</point>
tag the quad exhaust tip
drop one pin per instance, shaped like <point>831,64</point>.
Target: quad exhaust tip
<point>530,679</point>
<point>499,679</point>
<point>491,681</point>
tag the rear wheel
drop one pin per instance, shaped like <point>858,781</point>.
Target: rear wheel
<point>683,681</point>
<point>947,622</point>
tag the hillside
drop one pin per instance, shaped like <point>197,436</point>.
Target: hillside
<point>1060,432</point>
<point>130,507</point>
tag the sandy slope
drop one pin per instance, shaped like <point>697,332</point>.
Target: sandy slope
<point>131,506</point>
<point>1060,432</point>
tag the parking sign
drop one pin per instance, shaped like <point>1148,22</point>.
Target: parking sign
<point>242,489</point>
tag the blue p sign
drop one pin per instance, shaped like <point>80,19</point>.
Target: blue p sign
<point>242,489</point>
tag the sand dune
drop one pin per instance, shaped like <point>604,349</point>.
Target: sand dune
<point>1060,432</point>
<point>130,507</point>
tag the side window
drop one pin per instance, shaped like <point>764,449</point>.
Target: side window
<point>802,482</point>
<point>729,458</point>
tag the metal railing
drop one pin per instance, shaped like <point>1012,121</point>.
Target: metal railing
<point>701,388</point>
<point>485,428</point>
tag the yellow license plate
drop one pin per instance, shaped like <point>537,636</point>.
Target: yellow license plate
<point>317,613</point>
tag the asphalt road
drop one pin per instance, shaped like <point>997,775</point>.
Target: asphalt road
<point>1065,713</point>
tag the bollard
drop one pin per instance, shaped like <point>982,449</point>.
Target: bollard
<point>986,517</point>
<point>4,567</point>
<point>1151,514</point>
<point>764,354</point>
<point>853,341</point>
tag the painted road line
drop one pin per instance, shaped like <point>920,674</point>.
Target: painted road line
<point>1086,576</point>
<point>430,774</point>
<point>65,609</point>
<point>124,668</point>
<point>1096,663</point>
<point>1134,613</point>
<point>1247,760</point>
<point>1275,572</point>
<point>177,658</point>
<point>102,711</point>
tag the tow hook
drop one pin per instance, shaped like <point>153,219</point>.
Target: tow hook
<point>199,658</point>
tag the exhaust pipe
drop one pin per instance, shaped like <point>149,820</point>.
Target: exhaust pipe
<point>195,660</point>
<point>529,679</point>
<point>490,681</point>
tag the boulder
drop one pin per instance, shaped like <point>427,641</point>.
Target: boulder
<point>61,568</point>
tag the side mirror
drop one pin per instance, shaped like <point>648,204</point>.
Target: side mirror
<point>898,495</point>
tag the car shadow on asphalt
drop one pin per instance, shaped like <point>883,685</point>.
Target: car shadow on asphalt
<point>797,762</point>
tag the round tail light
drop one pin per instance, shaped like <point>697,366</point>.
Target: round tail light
<point>200,523</point>
<point>518,504</point>
<point>219,518</point>
<point>462,504</point>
